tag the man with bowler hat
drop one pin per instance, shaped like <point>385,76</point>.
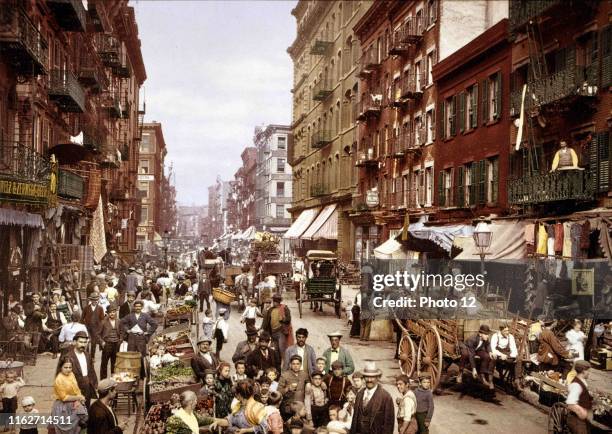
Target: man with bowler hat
<point>93,315</point>
<point>204,360</point>
<point>478,345</point>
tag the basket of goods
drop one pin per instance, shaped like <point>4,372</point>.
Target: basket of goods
<point>158,414</point>
<point>224,296</point>
<point>125,380</point>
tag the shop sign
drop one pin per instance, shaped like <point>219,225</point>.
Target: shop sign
<point>30,191</point>
<point>146,177</point>
<point>372,198</point>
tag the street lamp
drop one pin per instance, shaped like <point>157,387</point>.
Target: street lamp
<point>482,239</point>
<point>166,239</point>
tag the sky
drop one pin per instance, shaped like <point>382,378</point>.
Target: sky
<point>215,70</point>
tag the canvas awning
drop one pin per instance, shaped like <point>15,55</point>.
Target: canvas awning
<point>11,217</point>
<point>508,242</point>
<point>325,225</point>
<point>392,249</point>
<point>443,236</point>
<point>249,233</point>
<point>301,223</point>
<point>237,235</point>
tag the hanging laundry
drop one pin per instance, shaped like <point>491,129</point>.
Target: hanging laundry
<point>567,240</point>
<point>542,240</point>
<point>550,241</point>
<point>530,238</point>
<point>558,238</point>
<point>576,232</point>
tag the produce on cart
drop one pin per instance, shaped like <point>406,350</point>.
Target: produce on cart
<point>158,414</point>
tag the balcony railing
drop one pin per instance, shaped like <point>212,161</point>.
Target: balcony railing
<point>69,14</point>
<point>321,47</point>
<point>568,83</point>
<point>551,187</point>
<point>521,11</point>
<point>122,71</point>
<point>110,51</point>
<point>369,62</point>
<point>321,138</point>
<point>112,103</point>
<point>407,34</point>
<point>317,190</point>
<point>65,90</point>
<point>367,159</point>
<point>21,44</point>
<point>412,85</point>
<point>70,185</point>
<point>98,16</point>
<point>322,90</point>
<point>22,163</point>
<point>370,105</point>
<point>91,74</point>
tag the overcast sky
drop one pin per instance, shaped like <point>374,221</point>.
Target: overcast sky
<point>215,70</point>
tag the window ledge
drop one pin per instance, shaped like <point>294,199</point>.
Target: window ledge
<point>468,132</point>
<point>431,26</point>
<point>493,122</point>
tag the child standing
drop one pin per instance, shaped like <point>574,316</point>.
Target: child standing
<point>240,374</point>
<point>207,324</point>
<point>272,375</point>
<point>320,365</point>
<point>358,383</point>
<point>425,404</point>
<point>9,391</point>
<point>406,406</point>
<point>316,400</point>
<point>28,403</point>
<point>250,314</point>
<point>337,384</point>
<point>221,330</point>
<point>208,392</point>
<point>273,416</point>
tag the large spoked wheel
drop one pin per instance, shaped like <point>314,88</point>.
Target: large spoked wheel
<point>407,355</point>
<point>429,357</point>
<point>557,419</point>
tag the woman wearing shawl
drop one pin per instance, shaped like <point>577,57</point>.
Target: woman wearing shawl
<point>68,400</point>
<point>248,415</point>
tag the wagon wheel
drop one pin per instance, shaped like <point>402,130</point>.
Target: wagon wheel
<point>407,354</point>
<point>429,357</point>
<point>557,419</point>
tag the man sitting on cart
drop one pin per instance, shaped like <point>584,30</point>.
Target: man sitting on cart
<point>504,351</point>
<point>579,401</point>
<point>478,345</point>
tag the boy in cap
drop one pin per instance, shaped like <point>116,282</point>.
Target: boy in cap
<point>102,418</point>
<point>424,404</point>
<point>316,400</point>
<point>27,404</point>
<point>579,401</point>
<point>111,338</point>
<point>337,384</point>
<point>221,331</point>
<point>293,381</point>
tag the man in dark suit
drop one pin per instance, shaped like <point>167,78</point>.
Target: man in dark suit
<point>111,339</point>
<point>138,327</point>
<point>245,347</point>
<point>262,358</point>
<point>478,345</point>
<point>374,413</point>
<point>102,418</point>
<point>93,315</point>
<point>204,360</point>
<point>305,351</point>
<point>83,368</point>
<point>126,307</point>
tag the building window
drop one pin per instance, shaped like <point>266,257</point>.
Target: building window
<point>451,116</point>
<point>280,165</point>
<point>430,123</point>
<point>280,189</point>
<point>143,186</point>
<point>144,166</point>
<point>492,180</point>
<point>491,98</point>
<point>417,182</point>
<point>280,211</point>
<point>445,187</point>
<point>431,12</point>
<point>281,143</point>
<point>144,215</point>
<point>468,172</point>
<point>472,107</point>
<point>419,133</point>
<point>431,59</point>
<point>405,190</point>
<point>428,186</point>
<point>417,78</point>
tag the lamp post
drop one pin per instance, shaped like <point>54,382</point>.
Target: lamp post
<point>482,239</point>
<point>166,239</point>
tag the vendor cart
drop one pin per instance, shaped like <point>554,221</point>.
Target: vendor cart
<point>20,346</point>
<point>322,284</point>
<point>281,270</point>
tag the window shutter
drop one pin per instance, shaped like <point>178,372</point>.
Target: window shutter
<point>459,187</point>
<point>473,182</point>
<point>462,111</point>
<point>433,11</point>
<point>474,102</point>
<point>498,96</point>
<point>606,56</point>
<point>432,125</point>
<point>441,195</point>
<point>495,180</point>
<point>441,119</point>
<point>600,159</point>
<point>482,190</point>
<point>453,129</point>
<point>485,101</point>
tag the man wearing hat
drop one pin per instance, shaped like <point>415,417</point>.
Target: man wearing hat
<point>102,418</point>
<point>579,401</point>
<point>126,307</point>
<point>138,326</point>
<point>204,360</point>
<point>374,409</point>
<point>292,383</point>
<point>277,322</point>
<point>82,367</point>
<point>93,315</point>
<point>478,345</point>
<point>306,352</point>
<point>110,335</point>
<point>336,352</point>
<point>262,358</point>
<point>131,280</point>
<point>550,349</point>
<point>245,347</point>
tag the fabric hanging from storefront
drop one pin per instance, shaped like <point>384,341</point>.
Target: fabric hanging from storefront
<point>443,236</point>
<point>302,223</point>
<point>248,233</point>
<point>97,236</point>
<point>392,249</point>
<point>325,226</point>
<point>237,236</point>
<point>11,217</point>
<point>507,243</point>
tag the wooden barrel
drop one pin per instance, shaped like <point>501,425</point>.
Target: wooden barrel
<point>128,361</point>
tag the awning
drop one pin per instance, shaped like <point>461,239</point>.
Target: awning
<point>301,223</point>
<point>508,242</point>
<point>325,225</point>
<point>237,236</point>
<point>392,249</point>
<point>249,233</point>
<point>11,217</point>
<point>443,236</point>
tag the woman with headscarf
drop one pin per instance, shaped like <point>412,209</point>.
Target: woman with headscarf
<point>186,421</point>
<point>69,402</point>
